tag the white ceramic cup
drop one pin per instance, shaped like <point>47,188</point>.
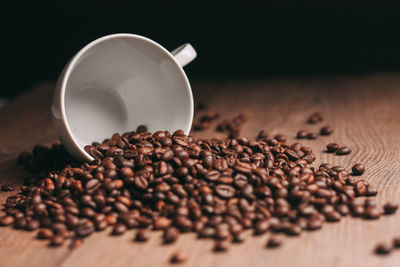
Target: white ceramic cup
<point>117,83</point>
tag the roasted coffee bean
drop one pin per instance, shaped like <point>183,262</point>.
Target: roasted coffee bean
<point>84,228</point>
<point>142,235</point>
<point>396,242</point>
<point>372,213</point>
<point>7,187</point>
<point>170,235</point>
<point>141,182</point>
<point>358,169</point>
<point>221,246</point>
<point>332,148</point>
<point>312,136</point>
<point>383,248</point>
<point>162,223</point>
<point>57,240</point>
<point>6,220</point>
<point>225,191</point>
<point>274,242</point>
<point>119,229</point>
<point>344,150</point>
<point>45,233</point>
<point>315,117</point>
<point>302,134</point>
<point>178,257</point>
<point>32,225</point>
<point>238,237</point>
<point>261,227</point>
<point>390,208</point>
<point>293,230</point>
<point>326,130</point>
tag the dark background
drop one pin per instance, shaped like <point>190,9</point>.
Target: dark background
<point>233,41</point>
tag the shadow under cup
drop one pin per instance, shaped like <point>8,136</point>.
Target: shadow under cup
<point>121,83</point>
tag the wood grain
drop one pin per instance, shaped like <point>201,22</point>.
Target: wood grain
<point>364,112</point>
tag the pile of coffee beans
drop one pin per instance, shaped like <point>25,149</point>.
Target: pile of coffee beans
<point>176,184</point>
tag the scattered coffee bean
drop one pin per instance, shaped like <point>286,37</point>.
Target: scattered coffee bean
<point>390,208</point>
<point>7,220</point>
<point>274,242</point>
<point>119,229</point>
<point>358,169</point>
<point>178,257</point>
<point>221,246</point>
<point>7,187</point>
<point>302,134</point>
<point>396,242</point>
<point>312,136</point>
<point>170,235</point>
<point>372,213</point>
<point>332,147</point>
<point>315,117</point>
<point>383,248</point>
<point>326,130</point>
<point>142,235</point>
<point>45,233</point>
<point>344,150</point>
<point>57,240</point>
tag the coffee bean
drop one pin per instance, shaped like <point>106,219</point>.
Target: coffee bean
<point>312,136</point>
<point>141,182</point>
<point>314,224</point>
<point>344,150</point>
<point>358,169</point>
<point>238,237</point>
<point>142,235</point>
<point>396,242</point>
<point>293,230</point>
<point>261,227</point>
<point>220,164</point>
<point>162,223</point>
<point>119,229</point>
<point>207,232</point>
<point>326,130</point>
<point>170,235</point>
<point>274,242</point>
<point>390,208</point>
<point>302,134</point>
<point>6,220</point>
<point>57,240</point>
<point>84,228</point>
<point>332,147</point>
<point>7,187</point>
<point>383,248</point>
<point>178,257</point>
<point>372,213</point>
<point>315,117</point>
<point>221,246</point>
<point>32,225</point>
<point>225,191</point>
<point>45,233</point>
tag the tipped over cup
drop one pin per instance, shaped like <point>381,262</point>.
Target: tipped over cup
<point>117,83</point>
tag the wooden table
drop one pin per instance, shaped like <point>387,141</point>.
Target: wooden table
<point>364,112</point>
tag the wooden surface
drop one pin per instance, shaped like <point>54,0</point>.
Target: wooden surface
<point>364,112</point>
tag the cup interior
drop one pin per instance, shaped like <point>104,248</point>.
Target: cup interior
<point>121,82</point>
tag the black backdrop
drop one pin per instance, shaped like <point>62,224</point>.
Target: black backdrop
<point>233,41</point>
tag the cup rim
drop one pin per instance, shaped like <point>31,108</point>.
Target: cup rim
<point>77,56</point>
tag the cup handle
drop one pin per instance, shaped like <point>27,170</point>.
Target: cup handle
<point>184,54</point>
